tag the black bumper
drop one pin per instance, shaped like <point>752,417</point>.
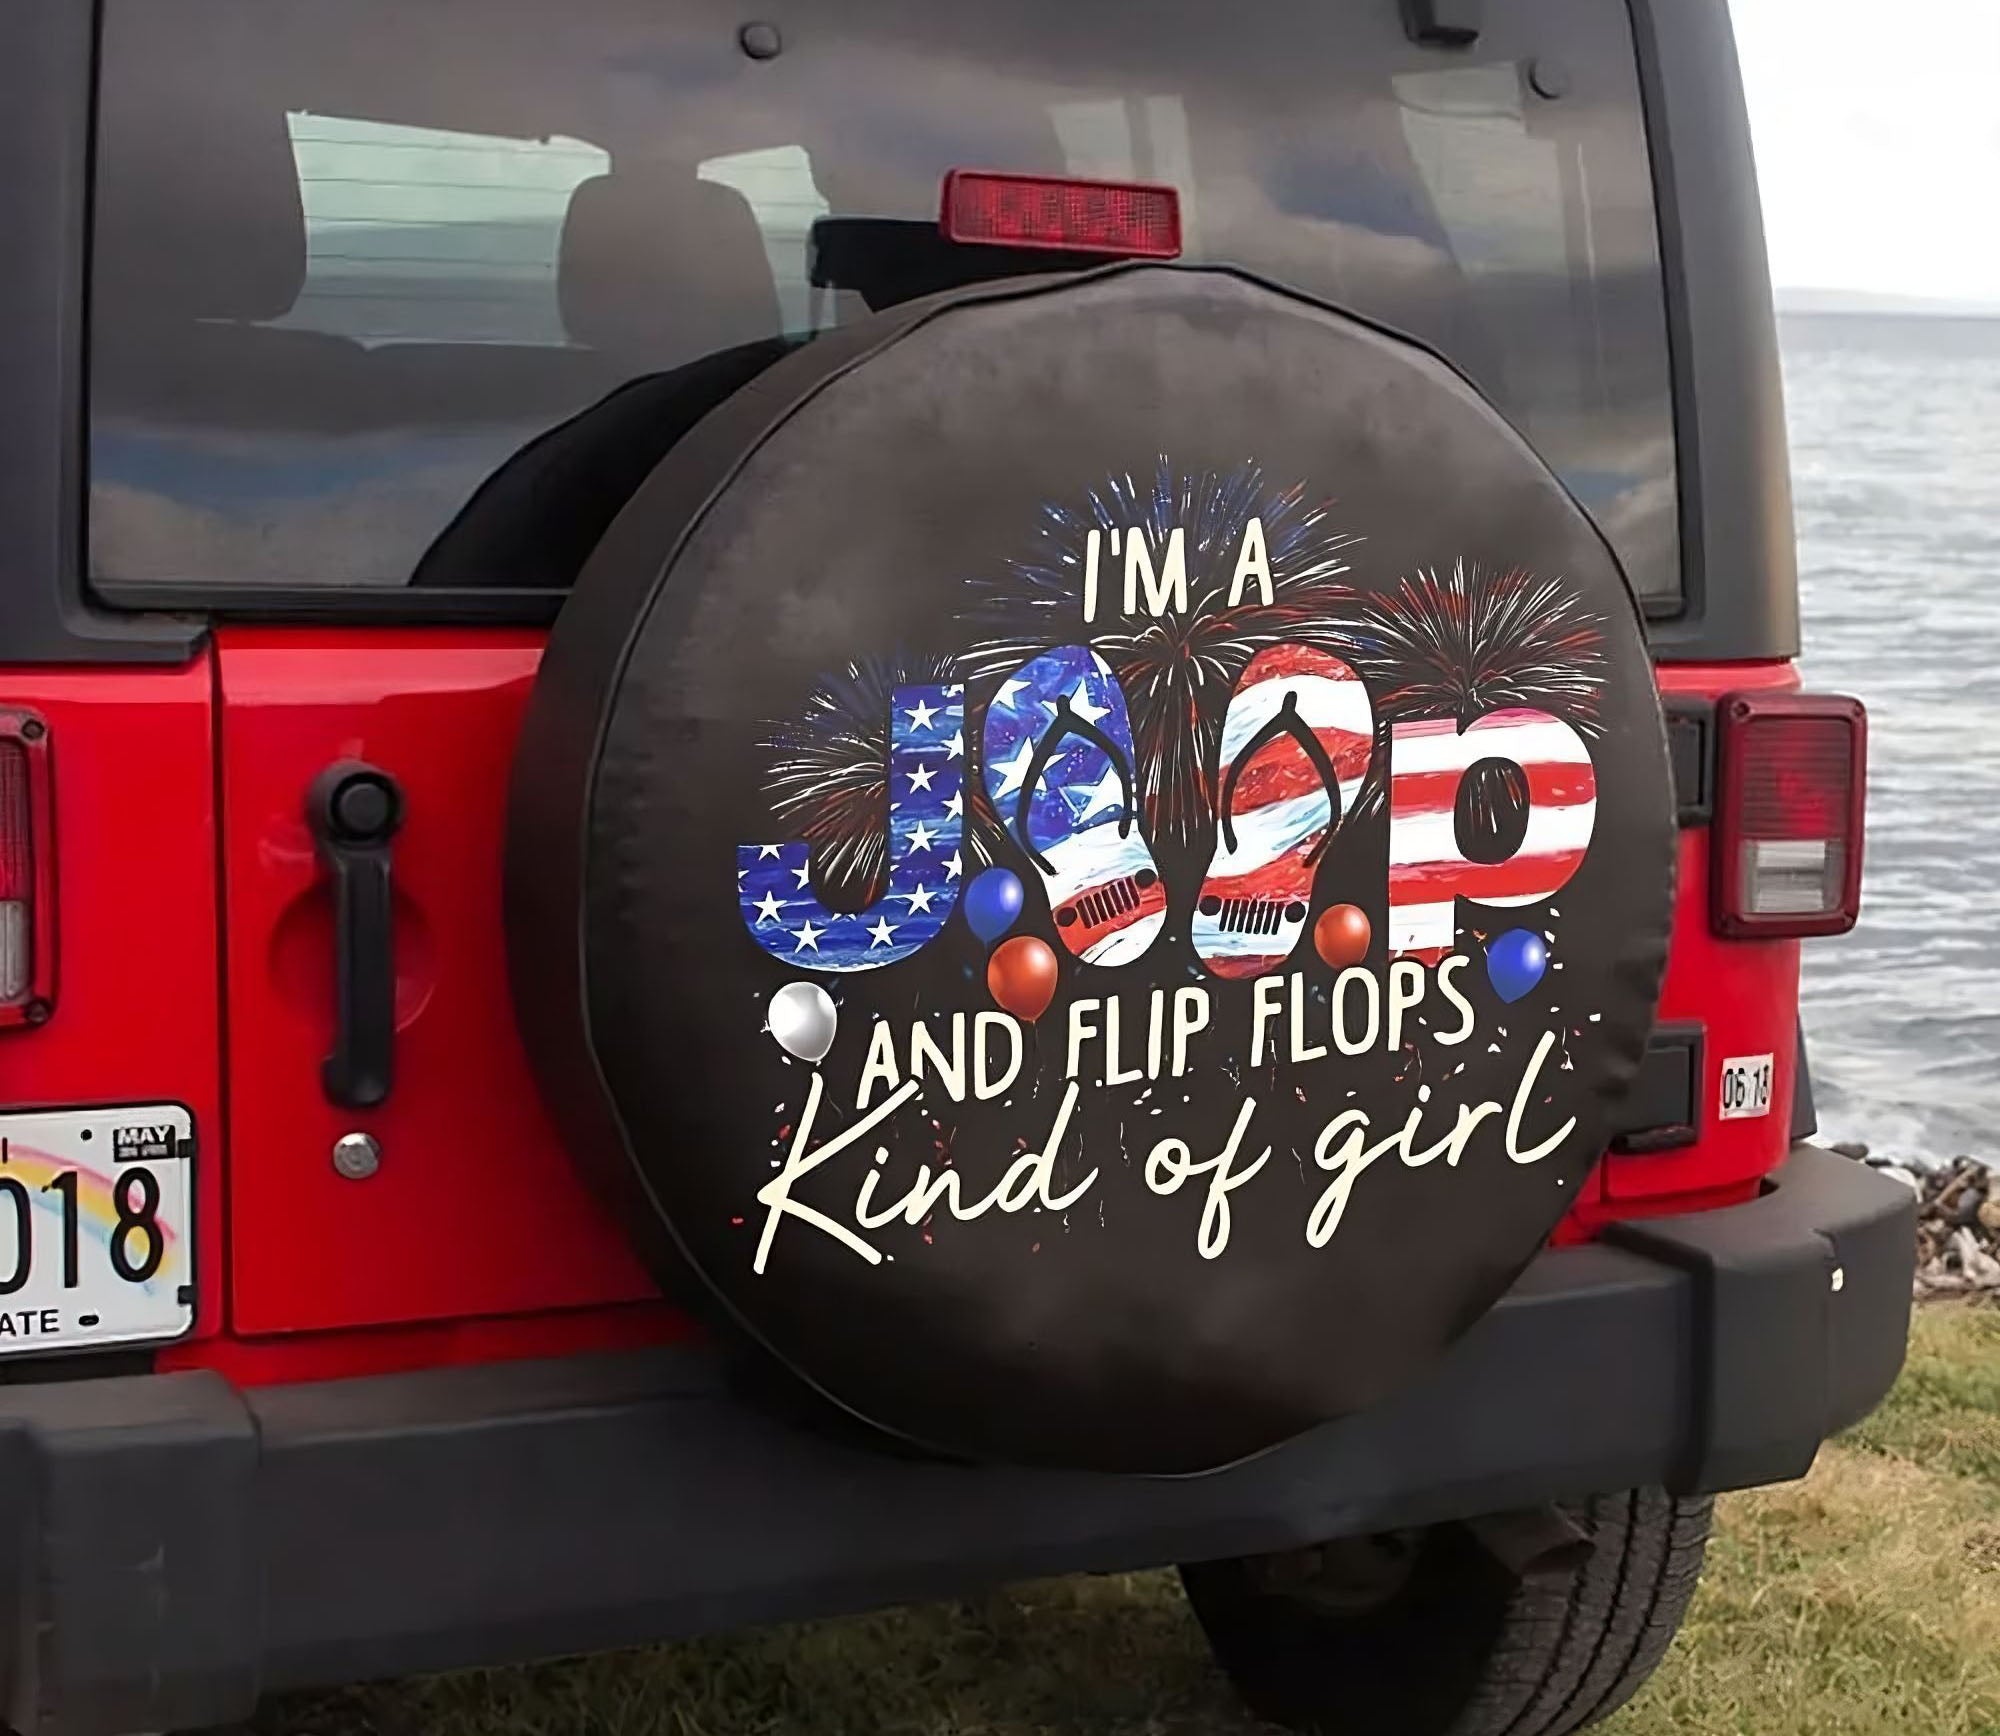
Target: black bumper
<point>173,1546</point>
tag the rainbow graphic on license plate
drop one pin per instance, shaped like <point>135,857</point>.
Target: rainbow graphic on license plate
<point>94,1222</point>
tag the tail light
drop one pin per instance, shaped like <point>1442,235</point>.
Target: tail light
<point>27,871</point>
<point>1787,834</point>
<point>1128,218</point>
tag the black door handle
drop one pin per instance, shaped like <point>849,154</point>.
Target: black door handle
<point>354,811</point>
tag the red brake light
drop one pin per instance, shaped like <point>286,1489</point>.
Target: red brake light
<point>1788,827</point>
<point>1121,217</point>
<point>27,871</point>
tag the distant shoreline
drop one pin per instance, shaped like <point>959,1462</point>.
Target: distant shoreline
<point>1840,304</point>
<point>1892,315</point>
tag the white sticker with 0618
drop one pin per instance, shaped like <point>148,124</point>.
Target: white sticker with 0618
<point>1746,1086</point>
<point>96,1211</point>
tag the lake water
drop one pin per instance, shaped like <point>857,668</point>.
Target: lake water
<point>1895,428</point>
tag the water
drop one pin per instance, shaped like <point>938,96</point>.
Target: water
<point>1895,427</point>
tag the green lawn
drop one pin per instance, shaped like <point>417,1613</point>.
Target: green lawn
<point>1863,1600</point>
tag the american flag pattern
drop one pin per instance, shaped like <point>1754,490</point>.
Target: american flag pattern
<point>926,829</point>
<point>1428,873</point>
<point>1058,767</point>
<point>1279,801</point>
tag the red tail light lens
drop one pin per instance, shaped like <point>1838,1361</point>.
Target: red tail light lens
<point>1788,826</point>
<point>1121,217</point>
<point>17,865</point>
<point>26,871</point>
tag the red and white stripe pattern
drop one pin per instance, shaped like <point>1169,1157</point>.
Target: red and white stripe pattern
<point>1253,904</point>
<point>1428,873</point>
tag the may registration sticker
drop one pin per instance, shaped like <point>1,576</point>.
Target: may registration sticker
<point>96,1209</point>
<point>1746,1086</point>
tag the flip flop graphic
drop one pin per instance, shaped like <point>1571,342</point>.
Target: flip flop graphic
<point>1296,742</point>
<point>1058,770</point>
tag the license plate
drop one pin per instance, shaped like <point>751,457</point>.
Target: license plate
<point>95,1219</point>
<point>1746,1086</point>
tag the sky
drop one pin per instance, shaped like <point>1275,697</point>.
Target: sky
<point>1877,129</point>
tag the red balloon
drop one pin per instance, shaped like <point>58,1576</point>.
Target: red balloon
<point>1342,934</point>
<point>1022,976</point>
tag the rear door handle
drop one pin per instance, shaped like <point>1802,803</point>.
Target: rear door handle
<point>354,811</point>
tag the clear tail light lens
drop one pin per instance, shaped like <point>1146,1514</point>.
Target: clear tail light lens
<point>26,870</point>
<point>1788,815</point>
<point>1128,218</point>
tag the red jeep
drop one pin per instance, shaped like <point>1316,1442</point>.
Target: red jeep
<point>805,810</point>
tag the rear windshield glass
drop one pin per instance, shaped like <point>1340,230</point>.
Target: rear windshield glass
<point>356,259</point>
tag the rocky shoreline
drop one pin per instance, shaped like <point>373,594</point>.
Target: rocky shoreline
<point>1958,1222</point>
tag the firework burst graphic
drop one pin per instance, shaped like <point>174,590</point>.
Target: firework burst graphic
<point>829,774</point>
<point>1471,642</point>
<point>1177,670</point>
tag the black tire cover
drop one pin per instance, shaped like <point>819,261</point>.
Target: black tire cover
<point>1344,865</point>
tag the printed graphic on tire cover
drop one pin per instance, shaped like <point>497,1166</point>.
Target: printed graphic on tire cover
<point>1059,775</point>
<point>1297,740</point>
<point>1115,917</point>
<point>925,817</point>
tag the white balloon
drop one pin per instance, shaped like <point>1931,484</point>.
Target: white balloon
<point>803,1019</point>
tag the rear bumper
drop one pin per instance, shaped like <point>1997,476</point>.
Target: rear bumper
<point>174,1546</point>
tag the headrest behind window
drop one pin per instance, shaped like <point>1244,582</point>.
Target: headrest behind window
<point>663,267</point>
<point>198,209</point>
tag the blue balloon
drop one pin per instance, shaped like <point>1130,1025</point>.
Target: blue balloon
<point>1515,962</point>
<point>993,903</point>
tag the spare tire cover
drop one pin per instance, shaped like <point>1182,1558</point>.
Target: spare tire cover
<point>1089,861</point>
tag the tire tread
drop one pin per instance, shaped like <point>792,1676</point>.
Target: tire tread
<point>1622,1609</point>
<point>1548,1654</point>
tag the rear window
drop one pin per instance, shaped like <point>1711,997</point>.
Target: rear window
<point>356,260</point>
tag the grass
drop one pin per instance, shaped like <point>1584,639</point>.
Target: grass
<point>1861,1601</point>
